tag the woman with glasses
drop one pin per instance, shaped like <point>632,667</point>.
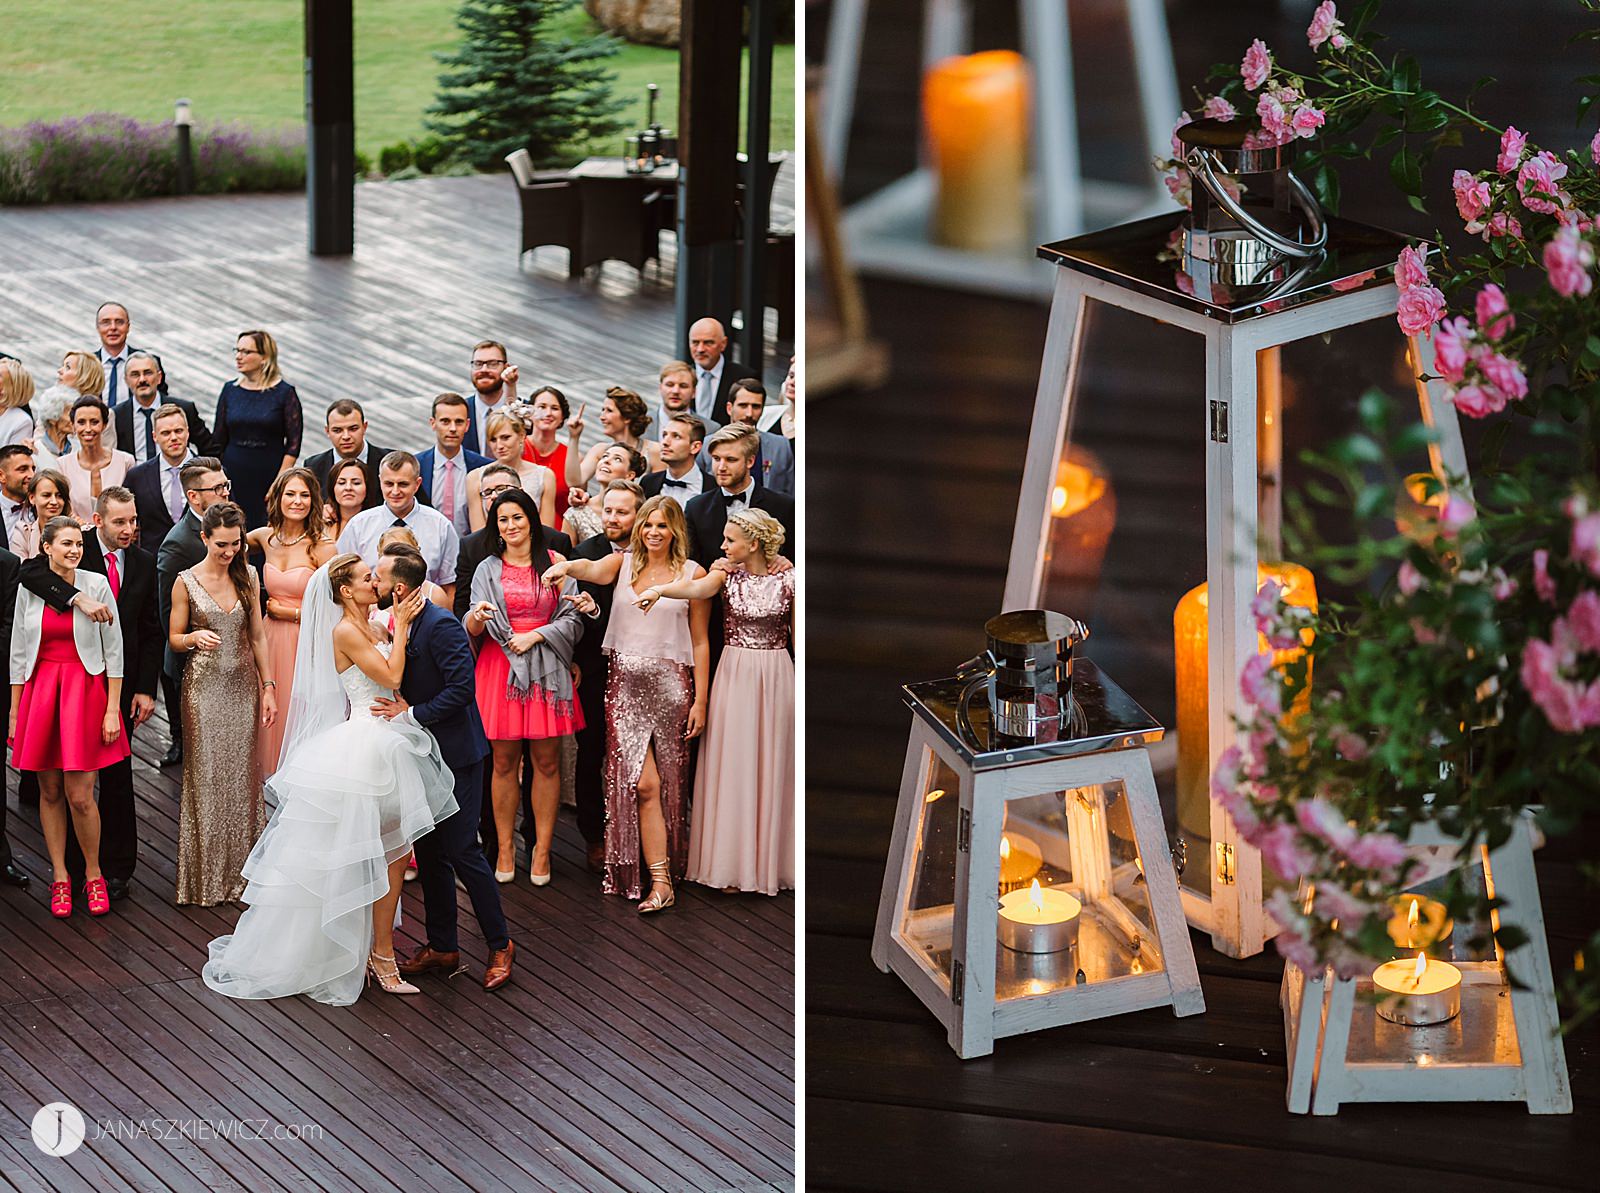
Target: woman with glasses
<point>258,424</point>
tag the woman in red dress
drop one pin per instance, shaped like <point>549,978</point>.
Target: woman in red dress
<point>66,723</point>
<point>524,676</point>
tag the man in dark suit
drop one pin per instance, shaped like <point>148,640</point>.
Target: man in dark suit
<point>438,694</point>
<point>131,571</point>
<point>448,462</point>
<point>204,484</point>
<point>112,324</point>
<point>347,431</point>
<point>494,385</point>
<point>733,451</point>
<point>683,477</point>
<point>619,505</point>
<point>135,420</point>
<point>714,370</point>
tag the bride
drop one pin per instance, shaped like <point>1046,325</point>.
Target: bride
<point>353,792</point>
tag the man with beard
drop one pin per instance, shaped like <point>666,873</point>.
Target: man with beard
<point>494,386</point>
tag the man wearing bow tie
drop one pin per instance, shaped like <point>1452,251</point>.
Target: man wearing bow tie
<point>683,477</point>
<point>733,451</point>
<point>16,472</point>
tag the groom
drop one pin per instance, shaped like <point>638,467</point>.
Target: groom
<point>437,693</point>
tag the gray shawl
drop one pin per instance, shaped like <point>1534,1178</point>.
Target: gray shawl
<point>548,666</point>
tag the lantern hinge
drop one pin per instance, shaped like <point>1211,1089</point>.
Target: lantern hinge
<point>964,832</point>
<point>1219,421</point>
<point>1224,863</point>
<point>958,981</point>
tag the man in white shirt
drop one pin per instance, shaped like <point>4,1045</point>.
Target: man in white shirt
<point>713,370</point>
<point>156,484</point>
<point>16,472</point>
<point>683,477</point>
<point>112,322</point>
<point>399,476</point>
<point>494,380</point>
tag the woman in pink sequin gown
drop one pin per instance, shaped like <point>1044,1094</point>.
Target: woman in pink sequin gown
<point>741,833</point>
<point>295,543</point>
<point>656,693</point>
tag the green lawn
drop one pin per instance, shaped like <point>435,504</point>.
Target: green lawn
<point>242,60</point>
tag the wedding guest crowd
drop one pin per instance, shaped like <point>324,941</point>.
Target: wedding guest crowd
<point>629,601</point>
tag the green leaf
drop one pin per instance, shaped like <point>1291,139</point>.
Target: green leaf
<point>1406,171</point>
<point>1386,134</point>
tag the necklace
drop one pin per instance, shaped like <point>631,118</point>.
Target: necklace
<point>283,542</point>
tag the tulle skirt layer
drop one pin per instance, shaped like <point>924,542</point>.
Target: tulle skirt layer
<point>348,802</point>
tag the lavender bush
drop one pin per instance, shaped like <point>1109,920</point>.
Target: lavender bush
<point>103,156</point>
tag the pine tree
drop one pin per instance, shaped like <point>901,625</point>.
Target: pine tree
<point>512,85</point>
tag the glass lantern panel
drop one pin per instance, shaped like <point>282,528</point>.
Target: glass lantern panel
<point>927,921</point>
<point>1074,908</point>
<point>1419,921</point>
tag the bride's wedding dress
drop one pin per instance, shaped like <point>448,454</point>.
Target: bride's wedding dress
<point>352,796</point>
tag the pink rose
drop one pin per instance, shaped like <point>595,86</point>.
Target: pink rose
<point>1478,401</point>
<point>1325,27</point>
<point>1410,269</point>
<point>1354,282</point>
<point>1307,120</point>
<point>1180,185</point>
<point>1538,177</point>
<point>1457,512</point>
<point>1586,542</point>
<point>1409,579</point>
<point>1274,121</point>
<point>1567,259</point>
<point>1283,851</point>
<point>1576,505</point>
<point>1583,619</point>
<point>1504,586</point>
<point>1383,852</point>
<point>1333,902</point>
<point>1504,374</point>
<point>1543,585</point>
<point>1351,746</point>
<point>1298,951</point>
<point>1494,312</point>
<point>1560,700</point>
<point>1259,685</point>
<point>1503,224</point>
<point>1218,108</point>
<point>1177,145</point>
<point>1512,146</point>
<point>1472,198</point>
<point>1450,342</point>
<point>1419,308</point>
<point>1320,819</point>
<point>1257,65</point>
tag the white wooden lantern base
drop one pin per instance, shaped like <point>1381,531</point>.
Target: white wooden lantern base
<point>1503,1047</point>
<point>965,1002</point>
<point>1227,420</point>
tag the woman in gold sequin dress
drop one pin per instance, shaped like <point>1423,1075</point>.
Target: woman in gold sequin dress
<point>656,691</point>
<point>228,695</point>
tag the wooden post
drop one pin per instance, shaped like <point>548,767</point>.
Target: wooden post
<point>708,145</point>
<point>330,128</point>
<point>757,140</point>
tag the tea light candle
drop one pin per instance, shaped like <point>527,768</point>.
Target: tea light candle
<point>1020,860</point>
<point>1039,920</point>
<point>1418,993</point>
<point>976,109</point>
<point>1418,922</point>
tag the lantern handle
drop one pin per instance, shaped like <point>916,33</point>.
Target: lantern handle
<point>1204,165</point>
<point>977,671</point>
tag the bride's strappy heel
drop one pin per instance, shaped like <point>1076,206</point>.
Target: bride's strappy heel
<point>660,876</point>
<point>386,973</point>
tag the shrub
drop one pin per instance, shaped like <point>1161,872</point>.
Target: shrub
<point>429,153</point>
<point>394,157</point>
<point>103,156</point>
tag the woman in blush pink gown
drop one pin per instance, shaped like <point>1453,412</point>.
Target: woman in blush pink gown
<point>741,830</point>
<point>295,543</point>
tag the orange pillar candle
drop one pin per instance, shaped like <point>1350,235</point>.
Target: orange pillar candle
<point>976,111</point>
<point>1194,704</point>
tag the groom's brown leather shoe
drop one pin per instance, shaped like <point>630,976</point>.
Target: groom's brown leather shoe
<point>498,972</point>
<point>427,959</point>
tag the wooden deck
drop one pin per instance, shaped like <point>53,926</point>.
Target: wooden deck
<point>907,558</point>
<point>627,1053</point>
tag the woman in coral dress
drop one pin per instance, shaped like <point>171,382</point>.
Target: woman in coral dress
<point>741,833</point>
<point>524,675</point>
<point>66,719</point>
<point>295,543</point>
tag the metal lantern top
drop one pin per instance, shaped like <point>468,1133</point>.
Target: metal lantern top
<point>1146,257</point>
<point>1105,717</point>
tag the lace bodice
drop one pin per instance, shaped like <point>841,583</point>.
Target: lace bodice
<point>360,689</point>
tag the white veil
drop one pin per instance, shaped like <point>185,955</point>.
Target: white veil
<point>317,700</point>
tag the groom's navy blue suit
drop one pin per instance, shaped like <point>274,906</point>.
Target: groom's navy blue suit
<point>439,686</point>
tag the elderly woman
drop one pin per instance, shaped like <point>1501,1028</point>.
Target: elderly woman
<point>16,391</point>
<point>52,424</point>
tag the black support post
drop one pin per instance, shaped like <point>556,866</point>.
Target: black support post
<point>330,127</point>
<point>757,217</point>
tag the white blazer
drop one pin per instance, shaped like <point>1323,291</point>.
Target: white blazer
<point>99,643</point>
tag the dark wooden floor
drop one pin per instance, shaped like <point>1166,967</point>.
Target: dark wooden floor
<point>911,494</point>
<point>628,1053</point>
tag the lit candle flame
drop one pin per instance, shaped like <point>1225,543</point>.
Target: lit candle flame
<point>1411,924</point>
<point>1422,968</point>
<point>1005,852</point>
<point>1035,897</point>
